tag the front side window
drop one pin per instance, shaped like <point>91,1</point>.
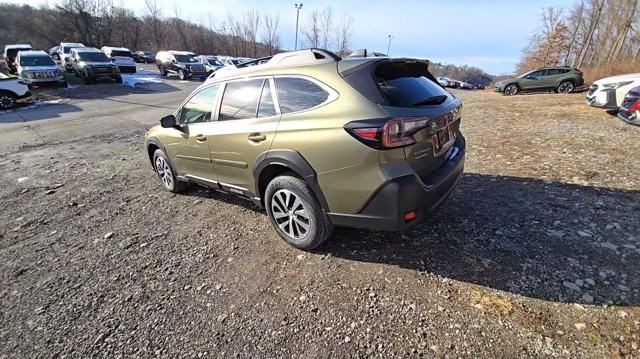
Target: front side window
<point>199,107</point>
<point>240,100</point>
<point>297,94</point>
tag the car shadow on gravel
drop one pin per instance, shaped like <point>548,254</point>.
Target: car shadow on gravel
<point>548,240</point>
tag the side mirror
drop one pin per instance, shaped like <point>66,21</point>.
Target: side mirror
<point>168,121</point>
<point>174,61</point>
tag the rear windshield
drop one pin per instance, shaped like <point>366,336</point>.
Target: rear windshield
<point>67,49</point>
<point>214,62</point>
<point>408,84</point>
<point>93,57</point>
<point>14,52</point>
<point>36,61</point>
<point>121,53</point>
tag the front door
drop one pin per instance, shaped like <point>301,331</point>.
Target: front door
<point>245,127</point>
<point>532,81</point>
<point>187,144</point>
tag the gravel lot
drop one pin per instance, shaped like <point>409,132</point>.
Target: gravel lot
<point>536,254</point>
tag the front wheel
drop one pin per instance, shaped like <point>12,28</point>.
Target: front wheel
<point>181,75</point>
<point>511,90</point>
<point>295,213</point>
<point>7,100</point>
<point>166,173</point>
<point>566,87</point>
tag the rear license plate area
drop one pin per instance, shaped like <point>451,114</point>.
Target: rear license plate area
<point>442,140</point>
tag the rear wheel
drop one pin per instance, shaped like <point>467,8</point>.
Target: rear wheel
<point>7,100</point>
<point>295,213</point>
<point>86,79</point>
<point>181,75</point>
<point>566,87</point>
<point>511,90</point>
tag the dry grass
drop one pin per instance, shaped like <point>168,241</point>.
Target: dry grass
<point>594,73</point>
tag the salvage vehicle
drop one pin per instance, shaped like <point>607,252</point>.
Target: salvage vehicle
<point>12,92</point>
<point>630,107</point>
<point>38,68</point>
<point>608,93</point>
<point>65,54</point>
<point>319,141</point>
<point>560,79</point>
<point>10,53</point>
<point>180,63</point>
<point>91,64</point>
<point>122,57</point>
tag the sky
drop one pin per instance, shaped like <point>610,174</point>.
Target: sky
<point>482,33</point>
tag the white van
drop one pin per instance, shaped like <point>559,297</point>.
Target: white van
<point>122,57</point>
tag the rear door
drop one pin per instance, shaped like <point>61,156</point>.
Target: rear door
<point>245,127</point>
<point>551,78</point>
<point>412,94</point>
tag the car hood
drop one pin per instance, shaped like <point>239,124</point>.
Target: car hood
<point>619,78</point>
<point>39,68</point>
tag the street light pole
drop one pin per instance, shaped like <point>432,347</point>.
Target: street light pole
<point>389,45</point>
<point>298,7</point>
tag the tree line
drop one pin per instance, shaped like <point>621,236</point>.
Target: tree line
<point>599,36</point>
<point>99,23</point>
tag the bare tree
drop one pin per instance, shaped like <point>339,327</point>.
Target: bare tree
<point>326,28</point>
<point>312,31</point>
<point>154,17</point>
<point>596,12</point>
<point>345,34</point>
<point>271,37</point>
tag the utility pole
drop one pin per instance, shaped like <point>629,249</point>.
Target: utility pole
<point>389,44</point>
<point>298,7</point>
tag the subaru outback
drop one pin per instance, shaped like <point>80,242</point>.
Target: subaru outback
<point>560,79</point>
<point>319,141</point>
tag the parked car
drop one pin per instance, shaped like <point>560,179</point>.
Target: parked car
<point>65,54</point>
<point>561,79</point>
<point>630,108</point>
<point>146,57</point>
<point>38,68</point>
<point>54,52</point>
<point>91,64</point>
<point>179,63</point>
<point>466,86</point>
<point>608,93</point>
<point>443,81</point>
<point>351,149</point>
<point>10,52</point>
<point>229,61</point>
<point>12,91</point>
<point>210,63</point>
<point>122,57</point>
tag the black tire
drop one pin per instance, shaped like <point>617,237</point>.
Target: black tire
<point>118,79</point>
<point>511,90</point>
<point>566,87</point>
<point>7,100</point>
<point>166,173</point>
<point>87,80</point>
<point>64,84</point>
<point>303,209</point>
<point>163,72</point>
<point>181,75</point>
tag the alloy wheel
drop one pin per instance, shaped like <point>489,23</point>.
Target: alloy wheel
<point>164,172</point>
<point>511,90</point>
<point>7,102</point>
<point>290,214</point>
<point>565,87</point>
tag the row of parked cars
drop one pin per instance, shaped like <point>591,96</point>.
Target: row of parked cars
<point>447,82</point>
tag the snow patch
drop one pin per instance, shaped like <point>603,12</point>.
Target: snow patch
<point>141,77</point>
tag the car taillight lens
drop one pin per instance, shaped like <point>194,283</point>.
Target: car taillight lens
<point>635,106</point>
<point>387,133</point>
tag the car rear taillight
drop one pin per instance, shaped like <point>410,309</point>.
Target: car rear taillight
<point>387,133</point>
<point>635,106</point>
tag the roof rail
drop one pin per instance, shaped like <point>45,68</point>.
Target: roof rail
<point>366,53</point>
<point>302,57</point>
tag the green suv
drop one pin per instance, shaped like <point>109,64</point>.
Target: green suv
<point>319,141</point>
<point>561,79</point>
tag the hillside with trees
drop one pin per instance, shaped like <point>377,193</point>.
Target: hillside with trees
<point>601,37</point>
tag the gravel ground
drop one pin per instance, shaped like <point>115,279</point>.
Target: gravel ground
<point>535,254</point>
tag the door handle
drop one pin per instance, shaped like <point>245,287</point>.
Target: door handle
<point>200,138</point>
<point>257,137</point>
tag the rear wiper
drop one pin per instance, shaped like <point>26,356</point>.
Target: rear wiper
<point>433,100</point>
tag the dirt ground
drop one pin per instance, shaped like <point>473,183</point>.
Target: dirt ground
<point>535,254</point>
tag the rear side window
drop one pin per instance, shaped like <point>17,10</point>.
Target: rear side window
<point>551,72</point>
<point>297,94</point>
<point>240,100</point>
<point>407,85</point>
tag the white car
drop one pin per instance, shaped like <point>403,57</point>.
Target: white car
<point>10,53</point>
<point>12,92</point>
<point>122,57</point>
<point>443,81</point>
<point>65,54</point>
<point>211,63</point>
<point>38,68</point>
<point>609,92</point>
<point>229,61</point>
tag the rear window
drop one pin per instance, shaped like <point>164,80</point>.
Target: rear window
<point>121,53</point>
<point>13,52</point>
<point>36,61</point>
<point>407,84</point>
<point>296,94</point>
<point>93,57</point>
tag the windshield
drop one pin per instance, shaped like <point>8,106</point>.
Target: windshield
<point>121,53</point>
<point>37,61</point>
<point>524,75</point>
<point>13,52</point>
<point>236,62</point>
<point>184,58</point>
<point>67,49</point>
<point>93,57</point>
<point>214,62</point>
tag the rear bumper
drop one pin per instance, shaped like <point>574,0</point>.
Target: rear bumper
<point>631,117</point>
<point>127,69</point>
<point>387,207</point>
